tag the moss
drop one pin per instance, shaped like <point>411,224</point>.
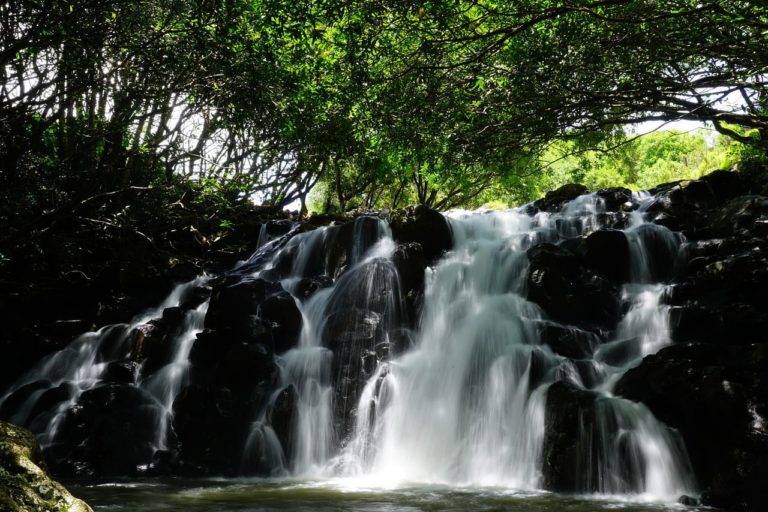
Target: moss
<point>24,484</point>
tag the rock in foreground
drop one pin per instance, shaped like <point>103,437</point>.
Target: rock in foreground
<point>24,484</point>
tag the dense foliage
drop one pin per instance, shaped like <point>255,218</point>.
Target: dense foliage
<point>370,103</point>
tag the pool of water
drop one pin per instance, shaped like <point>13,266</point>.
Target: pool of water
<point>252,495</point>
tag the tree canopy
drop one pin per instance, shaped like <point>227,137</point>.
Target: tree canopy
<point>367,102</point>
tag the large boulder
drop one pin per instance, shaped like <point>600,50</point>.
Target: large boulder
<point>111,430</point>
<point>343,246</point>
<point>25,485</point>
<point>422,225</point>
<point>607,253</point>
<point>235,299</point>
<point>568,292</point>
<point>567,409</point>
<point>212,426</point>
<point>411,265</point>
<point>568,341</point>
<point>554,200</point>
<point>617,199</point>
<point>246,368</point>
<point>282,313</point>
<point>717,398</point>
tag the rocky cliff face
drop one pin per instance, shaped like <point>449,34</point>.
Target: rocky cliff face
<point>216,367</point>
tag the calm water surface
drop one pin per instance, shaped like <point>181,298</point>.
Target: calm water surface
<point>214,495</point>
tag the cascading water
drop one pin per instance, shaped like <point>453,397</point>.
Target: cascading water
<point>467,404</point>
<point>364,299</point>
<point>164,385</point>
<point>457,408</point>
<point>82,365</point>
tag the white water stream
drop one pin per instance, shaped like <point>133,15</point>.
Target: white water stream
<point>466,405</point>
<point>464,408</point>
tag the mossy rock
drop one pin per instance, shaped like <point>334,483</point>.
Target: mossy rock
<point>24,484</point>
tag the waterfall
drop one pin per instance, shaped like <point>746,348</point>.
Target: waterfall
<point>82,365</point>
<point>366,299</point>
<point>467,402</point>
<point>467,405</point>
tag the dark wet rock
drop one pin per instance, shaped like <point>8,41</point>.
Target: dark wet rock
<point>688,501</point>
<point>195,297</point>
<point>568,292</point>
<point>619,352</point>
<point>282,417</point>
<point>399,340</point>
<point>173,318</point>
<point>720,293</point>
<point>277,228</point>
<point>330,251</point>
<point>695,323</point>
<point>614,220</point>
<point>246,368</point>
<point>352,335</point>
<point>121,372</point>
<point>716,396</point>
<point>424,226</point>
<point>725,185</point>
<point>281,311</point>
<point>212,426</point>
<point>350,326</point>
<point>568,341</point>
<point>410,263</point>
<point>373,286</point>
<point>554,200</point>
<point>539,367</point>
<point>567,408</point>
<point>25,485</point>
<point>232,302</point>
<point>693,195</point>
<point>152,345</point>
<point>307,286</point>
<point>110,431</point>
<point>617,199</point>
<point>49,404</point>
<point>678,206</point>
<point>746,215</point>
<point>590,372</point>
<point>659,249</point>
<point>607,253</point>
<point>16,399</point>
<point>163,463</point>
<point>345,245</point>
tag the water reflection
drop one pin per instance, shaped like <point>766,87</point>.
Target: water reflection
<point>257,495</point>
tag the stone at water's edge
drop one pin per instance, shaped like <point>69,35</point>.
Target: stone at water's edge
<point>566,408</point>
<point>24,484</point>
<point>715,396</point>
